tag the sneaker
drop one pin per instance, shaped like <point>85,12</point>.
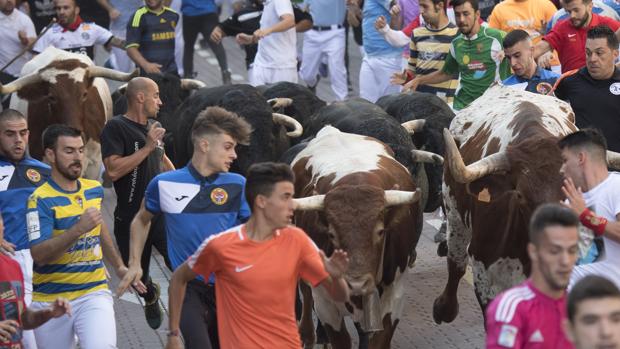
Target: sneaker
<point>226,79</point>
<point>153,311</point>
<point>313,88</point>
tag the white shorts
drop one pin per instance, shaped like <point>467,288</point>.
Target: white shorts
<point>263,75</point>
<point>92,321</point>
<point>24,259</point>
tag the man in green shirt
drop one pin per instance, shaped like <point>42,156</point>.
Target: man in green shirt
<point>475,55</point>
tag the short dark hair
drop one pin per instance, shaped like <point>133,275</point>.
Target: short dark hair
<point>217,120</point>
<point>11,114</point>
<point>604,32</point>
<point>53,132</point>
<point>474,3</point>
<point>590,287</point>
<point>437,2</point>
<point>585,2</point>
<point>515,37</point>
<point>547,215</point>
<point>589,139</point>
<point>262,178</point>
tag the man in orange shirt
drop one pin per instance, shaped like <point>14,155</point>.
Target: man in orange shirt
<point>257,266</point>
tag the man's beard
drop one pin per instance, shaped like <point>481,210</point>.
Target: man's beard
<point>583,21</point>
<point>68,173</point>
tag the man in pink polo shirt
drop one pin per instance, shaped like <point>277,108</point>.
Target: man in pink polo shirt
<point>530,315</point>
<point>568,37</point>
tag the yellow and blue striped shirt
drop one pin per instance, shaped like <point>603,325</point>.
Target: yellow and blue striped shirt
<point>80,270</point>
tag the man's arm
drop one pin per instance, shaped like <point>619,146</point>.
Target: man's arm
<point>287,21</point>
<point>395,38</point>
<point>176,294</point>
<point>335,284</point>
<point>139,232</point>
<point>435,77</point>
<point>112,12</point>
<point>117,166</point>
<point>116,42</point>
<point>167,165</point>
<point>53,248</point>
<point>32,319</point>
<point>110,252</point>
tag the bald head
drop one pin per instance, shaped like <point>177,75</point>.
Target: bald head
<point>139,85</point>
<point>143,94</point>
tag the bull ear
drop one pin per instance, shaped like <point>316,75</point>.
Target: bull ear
<point>34,92</point>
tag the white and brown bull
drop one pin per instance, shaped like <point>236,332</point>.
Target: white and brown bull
<point>501,162</point>
<point>355,196</point>
<point>67,88</point>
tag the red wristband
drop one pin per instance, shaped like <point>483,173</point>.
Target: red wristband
<point>409,76</point>
<point>595,223</point>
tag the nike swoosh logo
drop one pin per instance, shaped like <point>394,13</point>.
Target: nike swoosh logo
<point>181,197</point>
<point>240,269</point>
<point>571,35</point>
<point>3,177</point>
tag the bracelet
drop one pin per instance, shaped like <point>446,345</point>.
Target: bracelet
<point>596,223</point>
<point>174,333</point>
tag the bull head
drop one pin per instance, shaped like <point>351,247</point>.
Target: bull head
<point>497,162</point>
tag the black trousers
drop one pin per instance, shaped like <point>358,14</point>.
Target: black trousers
<point>199,317</point>
<point>156,238</point>
<point>204,24</point>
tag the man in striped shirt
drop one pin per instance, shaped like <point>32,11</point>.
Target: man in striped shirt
<point>68,241</point>
<point>429,47</point>
<point>531,314</point>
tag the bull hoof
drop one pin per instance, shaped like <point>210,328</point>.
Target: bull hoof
<point>444,311</point>
<point>442,249</point>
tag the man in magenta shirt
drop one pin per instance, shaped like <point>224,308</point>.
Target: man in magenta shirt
<point>530,315</point>
<point>568,37</point>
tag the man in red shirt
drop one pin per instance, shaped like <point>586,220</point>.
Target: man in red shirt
<point>568,37</point>
<point>530,315</point>
<point>14,316</point>
<point>257,266</point>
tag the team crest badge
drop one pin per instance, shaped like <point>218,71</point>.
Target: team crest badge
<point>33,175</point>
<point>219,196</point>
<point>79,201</point>
<point>173,24</point>
<point>544,88</point>
<point>85,36</point>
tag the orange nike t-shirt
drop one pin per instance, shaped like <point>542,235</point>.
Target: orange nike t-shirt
<point>256,284</point>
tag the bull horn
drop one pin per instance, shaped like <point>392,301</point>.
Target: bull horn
<point>280,102</point>
<point>16,85</point>
<point>290,122</point>
<point>466,174</point>
<point>309,203</point>
<point>101,72</point>
<point>122,88</point>
<point>426,157</point>
<point>192,84</point>
<point>613,160</point>
<point>399,197</point>
<point>413,126</point>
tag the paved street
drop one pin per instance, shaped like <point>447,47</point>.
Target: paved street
<point>415,330</point>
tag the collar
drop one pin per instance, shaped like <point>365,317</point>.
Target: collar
<point>73,26</point>
<point>163,9</point>
<point>198,176</point>
<point>542,295</point>
<point>24,159</point>
<point>58,188</point>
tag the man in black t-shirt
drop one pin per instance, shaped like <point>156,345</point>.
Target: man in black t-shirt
<point>41,12</point>
<point>594,91</point>
<point>133,154</point>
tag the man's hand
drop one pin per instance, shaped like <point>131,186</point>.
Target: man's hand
<point>154,137</point>
<point>152,68</point>
<point>7,248</point>
<point>411,85</point>
<point>114,14</point>
<point>7,329</point>
<point>576,202</point>
<point>395,11</point>
<point>354,14</point>
<point>244,39</point>
<point>544,60</point>
<point>337,264</point>
<point>261,33</point>
<point>60,307</point>
<point>398,78</point>
<point>131,277</point>
<point>216,35</point>
<point>90,219</point>
<point>23,37</point>
<point>174,342</point>
<point>380,23</point>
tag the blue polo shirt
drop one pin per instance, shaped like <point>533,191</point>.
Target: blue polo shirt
<point>374,43</point>
<point>327,12</point>
<point>17,182</point>
<point>541,82</point>
<point>195,207</point>
<point>198,7</point>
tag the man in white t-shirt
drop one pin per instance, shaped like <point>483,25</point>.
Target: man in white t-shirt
<point>276,59</point>
<point>74,35</point>
<point>594,194</point>
<point>16,32</point>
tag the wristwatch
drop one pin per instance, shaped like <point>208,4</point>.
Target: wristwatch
<point>174,333</point>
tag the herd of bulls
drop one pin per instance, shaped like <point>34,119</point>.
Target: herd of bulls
<point>365,173</point>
